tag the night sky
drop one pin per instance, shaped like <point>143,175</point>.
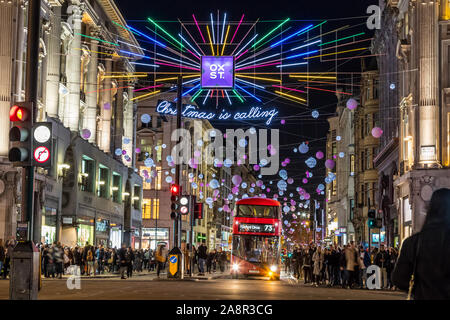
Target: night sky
<point>300,126</point>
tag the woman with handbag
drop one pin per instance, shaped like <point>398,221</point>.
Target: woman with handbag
<point>423,267</point>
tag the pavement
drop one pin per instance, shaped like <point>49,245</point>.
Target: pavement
<point>218,287</point>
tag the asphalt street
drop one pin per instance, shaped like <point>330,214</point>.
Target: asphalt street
<point>150,288</point>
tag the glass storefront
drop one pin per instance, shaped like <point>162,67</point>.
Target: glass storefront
<point>85,232</point>
<point>115,237</point>
<point>48,229</point>
<point>152,236</point>
<point>256,249</point>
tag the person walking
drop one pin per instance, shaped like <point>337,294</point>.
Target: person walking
<point>425,256</point>
<point>130,257</point>
<point>222,259</point>
<point>122,255</point>
<point>202,256</point>
<point>382,261</point>
<point>307,264</point>
<point>318,259</point>
<point>350,257</point>
<point>100,256</point>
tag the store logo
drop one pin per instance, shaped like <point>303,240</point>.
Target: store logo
<point>374,21</point>
<point>217,72</point>
<point>74,281</point>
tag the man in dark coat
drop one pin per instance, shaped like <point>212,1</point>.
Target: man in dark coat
<point>123,260</point>
<point>430,249</point>
<point>202,256</point>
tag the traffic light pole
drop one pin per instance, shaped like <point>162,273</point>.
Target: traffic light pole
<point>177,221</point>
<point>31,86</point>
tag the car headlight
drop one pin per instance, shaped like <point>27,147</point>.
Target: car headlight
<point>235,267</point>
<point>273,268</point>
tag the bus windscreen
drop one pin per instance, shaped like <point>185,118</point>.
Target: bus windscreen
<point>252,211</point>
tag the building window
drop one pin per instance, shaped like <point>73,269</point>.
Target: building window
<point>158,122</point>
<point>352,164</point>
<point>146,208</point>
<point>368,194</point>
<point>368,96</point>
<point>103,182</point>
<point>143,170</point>
<point>366,122</point>
<point>137,197</point>
<point>367,160</point>
<point>334,186</point>
<point>362,161</point>
<point>407,214</point>
<point>155,209</point>
<point>363,195</point>
<point>352,208</point>
<point>117,188</point>
<point>157,185</point>
<point>87,174</point>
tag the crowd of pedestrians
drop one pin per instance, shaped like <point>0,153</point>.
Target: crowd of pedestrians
<point>340,266</point>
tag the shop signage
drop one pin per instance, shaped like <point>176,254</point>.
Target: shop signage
<point>217,72</point>
<point>102,225</point>
<point>191,111</point>
<point>67,220</point>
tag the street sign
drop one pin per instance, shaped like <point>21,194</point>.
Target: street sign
<point>42,144</point>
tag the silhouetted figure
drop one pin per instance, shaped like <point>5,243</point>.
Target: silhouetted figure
<point>431,246</point>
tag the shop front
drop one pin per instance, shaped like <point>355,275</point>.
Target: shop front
<point>115,236</point>
<point>102,232</point>
<point>48,226</point>
<point>85,231</point>
<point>152,236</point>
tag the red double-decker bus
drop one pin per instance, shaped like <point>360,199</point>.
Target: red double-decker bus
<point>256,238</point>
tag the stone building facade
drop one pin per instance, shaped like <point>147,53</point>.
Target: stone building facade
<point>91,194</point>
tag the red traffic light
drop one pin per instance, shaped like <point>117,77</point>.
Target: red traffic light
<point>17,113</point>
<point>175,189</point>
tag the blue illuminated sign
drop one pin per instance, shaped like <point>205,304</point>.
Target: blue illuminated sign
<point>191,111</point>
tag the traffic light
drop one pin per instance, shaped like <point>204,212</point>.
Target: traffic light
<point>371,221</point>
<point>175,191</point>
<point>21,116</point>
<point>42,144</point>
<point>184,204</point>
<point>198,210</point>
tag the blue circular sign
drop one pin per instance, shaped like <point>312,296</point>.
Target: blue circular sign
<point>173,259</point>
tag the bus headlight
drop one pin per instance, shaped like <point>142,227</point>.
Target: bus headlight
<point>273,268</point>
<point>235,267</point>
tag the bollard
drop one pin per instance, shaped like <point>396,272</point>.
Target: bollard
<point>25,272</point>
<point>176,264</point>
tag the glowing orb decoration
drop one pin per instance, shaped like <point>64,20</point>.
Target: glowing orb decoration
<point>295,150</point>
<point>107,106</point>
<point>377,132</point>
<point>145,118</point>
<point>305,180</point>
<point>252,130</point>
<point>329,164</point>
<point>321,187</point>
<point>327,180</point>
<point>282,185</point>
<point>303,148</point>
<point>283,121</point>
<point>392,86</point>
<point>315,114</point>
<point>236,180</point>
<point>244,184</point>
<point>287,160</point>
<point>209,200</point>
<point>194,185</point>
<point>311,162</point>
<point>235,190</point>
<point>124,152</point>
<point>118,152</point>
<point>341,154</point>
<point>263,162</point>
<point>286,209</point>
<point>259,183</point>
<point>126,140</point>
<point>338,138</point>
<point>352,104</point>
<point>256,167</point>
<point>137,150</point>
<point>197,153</point>
<point>85,133</point>
<point>169,179</point>
<point>290,181</point>
<point>199,143</point>
<point>228,163</point>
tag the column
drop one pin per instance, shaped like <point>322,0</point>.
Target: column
<point>128,126</point>
<point>106,109</point>
<point>428,82</point>
<point>90,115</point>
<point>7,13</point>
<point>53,64</point>
<point>73,67</point>
<point>119,112</point>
